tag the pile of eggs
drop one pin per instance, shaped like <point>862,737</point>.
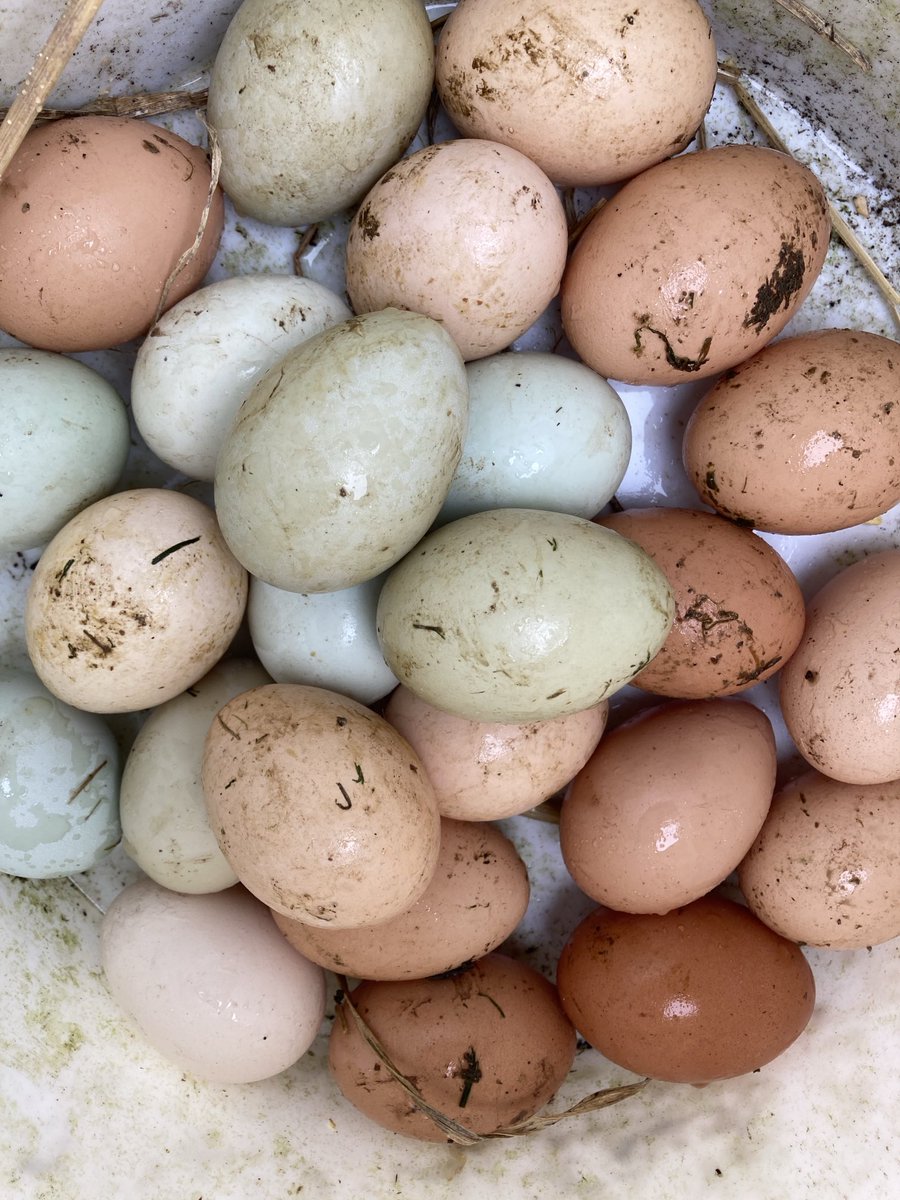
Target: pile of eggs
<point>390,482</point>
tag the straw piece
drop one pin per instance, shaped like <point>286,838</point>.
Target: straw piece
<point>582,223</point>
<point>45,71</point>
<point>137,104</point>
<point>826,30</point>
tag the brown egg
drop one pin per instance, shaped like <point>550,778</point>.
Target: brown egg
<point>695,264</point>
<point>840,693</point>
<point>487,1047</point>
<point>669,804</point>
<point>323,810</point>
<point>476,898</point>
<point>705,992</point>
<point>739,614</point>
<point>825,868</point>
<point>804,437</point>
<point>485,771</point>
<point>584,90</point>
<point>95,213</point>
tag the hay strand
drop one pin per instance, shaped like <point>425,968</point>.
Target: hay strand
<point>825,29</point>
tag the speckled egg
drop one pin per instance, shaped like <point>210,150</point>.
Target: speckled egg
<point>739,611</point>
<point>803,437</point>
<point>695,264</point>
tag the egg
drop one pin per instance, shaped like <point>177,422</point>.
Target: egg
<point>704,992</point>
<point>313,102</point>
<point>135,599</point>
<point>647,825</point>
<point>95,214</point>
<point>695,264</point>
<point>370,417</point>
<point>839,693</point>
<point>593,93</point>
<point>323,810</point>
<point>326,639</point>
<point>740,610</point>
<point>544,432</point>
<point>63,443</point>
<point>518,615</point>
<point>476,898</point>
<point>494,1047</point>
<point>470,232</point>
<point>59,783</point>
<point>202,358</point>
<point>802,438</point>
<point>210,982</point>
<point>485,770</point>
<point>825,868</point>
<point>165,827</point>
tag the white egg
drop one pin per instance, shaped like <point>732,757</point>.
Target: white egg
<point>313,101</point>
<point>521,615</point>
<point>324,639</point>
<point>211,982</point>
<point>341,456</point>
<point>165,827</point>
<point>544,432</point>
<point>63,443</point>
<point>205,354</point>
<point>59,783</point>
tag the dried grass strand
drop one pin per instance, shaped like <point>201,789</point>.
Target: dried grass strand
<point>135,104</point>
<point>46,69</point>
<point>825,29</point>
<point>459,1133</point>
<point>582,223</point>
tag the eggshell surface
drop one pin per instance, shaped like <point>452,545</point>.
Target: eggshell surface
<point>825,868</point>
<point>210,981</point>
<point>803,437</point>
<point>695,265</point>
<point>204,355</point>
<point>544,432</point>
<point>341,456</point>
<point>840,693</point>
<point>485,771</point>
<point>63,443</point>
<point>476,898</point>
<point>165,826</point>
<point>518,615</point>
<point>669,804</point>
<point>704,992</point>
<point>594,93</point>
<point>85,257</point>
<point>495,1047</point>
<point>59,783</point>
<point>313,102</point>
<point>470,232</point>
<point>135,599</point>
<point>739,611</point>
<point>323,810</point>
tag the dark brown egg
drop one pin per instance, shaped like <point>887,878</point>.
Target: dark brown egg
<point>487,1046</point>
<point>705,992</point>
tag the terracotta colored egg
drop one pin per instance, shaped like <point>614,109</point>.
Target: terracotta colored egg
<point>95,213</point>
<point>469,232</point>
<point>485,771</point>
<point>476,898</point>
<point>135,599</point>
<point>695,265</point>
<point>840,694</point>
<point>739,611</point>
<point>593,92</point>
<point>486,1047</point>
<point>669,804</point>
<point>825,868</point>
<point>804,436</point>
<point>323,810</point>
<point>705,992</point>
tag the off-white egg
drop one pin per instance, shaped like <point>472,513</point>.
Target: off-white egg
<point>204,355</point>
<point>341,456</point>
